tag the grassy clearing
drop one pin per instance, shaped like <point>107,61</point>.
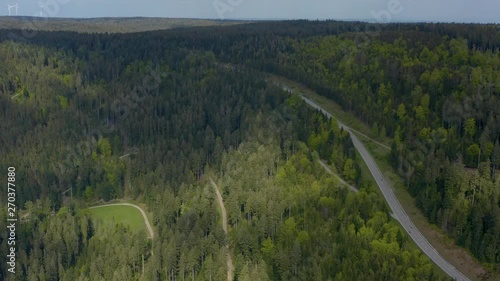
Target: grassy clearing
<point>110,216</point>
<point>457,256</point>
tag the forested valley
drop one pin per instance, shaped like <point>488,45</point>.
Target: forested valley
<point>152,116</point>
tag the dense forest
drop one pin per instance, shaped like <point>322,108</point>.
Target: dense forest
<point>196,116</point>
<point>438,100</point>
<point>150,116</point>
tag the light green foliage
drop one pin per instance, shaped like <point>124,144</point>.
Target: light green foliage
<point>401,112</point>
<point>383,132</point>
<point>104,147</point>
<point>473,152</point>
<point>349,171</point>
<point>375,131</point>
<point>422,110</point>
<point>384,91</point>
<point>470,127</point>
<point>89,193</point>
<point>439,135</point>
<point>425,133</point>
<point>268,248</point>
<point>63,101</point>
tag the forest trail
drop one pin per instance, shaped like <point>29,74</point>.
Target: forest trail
<point>328,170</point>
<point>224,227</point>
<point>148,225</point>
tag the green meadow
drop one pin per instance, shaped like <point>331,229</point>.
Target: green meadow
<point>108,217</point>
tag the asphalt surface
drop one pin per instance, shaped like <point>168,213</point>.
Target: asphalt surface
<point>398,211</point>
<point>401,215</point>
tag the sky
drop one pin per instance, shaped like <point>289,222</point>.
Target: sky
<point>481,11</point>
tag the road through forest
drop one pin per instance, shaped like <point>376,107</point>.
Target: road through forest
<point>398,211</point>
<point>224,227</point>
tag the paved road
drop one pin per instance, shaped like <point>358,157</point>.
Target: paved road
<point>401,215</point>
<point>224,227</point>
<point>150,229</point>
<point>398,211</point>
<point>310,102</point>
<point>380,144</point>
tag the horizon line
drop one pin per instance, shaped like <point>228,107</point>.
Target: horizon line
<point>21,17</point>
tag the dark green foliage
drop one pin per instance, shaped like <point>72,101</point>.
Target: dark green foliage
<point>145,116</point>
<point>434,92</point>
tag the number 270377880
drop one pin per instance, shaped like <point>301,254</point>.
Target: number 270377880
<point>11,193</point>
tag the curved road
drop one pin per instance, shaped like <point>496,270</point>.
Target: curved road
<point>401,215</point>
<point>398,211</point>
<point>150,229</point>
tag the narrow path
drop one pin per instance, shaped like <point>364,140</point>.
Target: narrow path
<point>328,170</point>
<point>148,225</point>
<point>224,227</point>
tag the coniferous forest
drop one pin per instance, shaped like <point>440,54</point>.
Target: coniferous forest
<point>154,116</point>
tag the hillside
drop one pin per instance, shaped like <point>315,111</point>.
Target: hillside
<point>150,117</point>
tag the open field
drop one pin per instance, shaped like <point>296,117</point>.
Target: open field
<point>126,215</point>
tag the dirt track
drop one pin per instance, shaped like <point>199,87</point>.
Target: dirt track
<point>224,227</point>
